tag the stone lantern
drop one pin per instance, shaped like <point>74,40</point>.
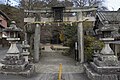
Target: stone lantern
<point>96,51</point>
<point>12,37</point>
<point>25,48</point>
<point>106,65</point>
<point>106,32</point>
<point>14,61</point>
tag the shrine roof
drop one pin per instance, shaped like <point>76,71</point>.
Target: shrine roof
<point>109,16</point>
<point>4,15</point>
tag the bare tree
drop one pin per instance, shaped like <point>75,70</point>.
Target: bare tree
<point>98,3</point>
<point>82,3</point>
<point>30,4</point>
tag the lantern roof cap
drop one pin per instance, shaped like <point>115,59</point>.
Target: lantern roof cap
<point>12,28</point>
<point>107,27</point>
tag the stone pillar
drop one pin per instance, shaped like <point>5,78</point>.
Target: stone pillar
<point>36,43</point>
<point>80,38</point>
<point>116,49</point>
<point>25,51</point>
<point>26,38</point>
<point>106,49</point>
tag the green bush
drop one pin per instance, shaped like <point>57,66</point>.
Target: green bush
<point>90,43</point>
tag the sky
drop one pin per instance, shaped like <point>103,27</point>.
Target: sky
<point>12,2</point>
<point>112,5</point>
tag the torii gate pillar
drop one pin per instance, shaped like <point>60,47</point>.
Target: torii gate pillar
<point>36,43</point>
<point>80,38</point>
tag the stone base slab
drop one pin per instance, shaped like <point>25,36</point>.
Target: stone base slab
<point>25,73</point>
<point>105,69</point>
<point>92,75</point>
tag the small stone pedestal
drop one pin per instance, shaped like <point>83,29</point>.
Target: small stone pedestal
<point>106,66</point>
<point>14,61</point>
<point>25,51</point>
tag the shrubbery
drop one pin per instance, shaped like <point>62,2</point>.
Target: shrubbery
<point>90,42</point>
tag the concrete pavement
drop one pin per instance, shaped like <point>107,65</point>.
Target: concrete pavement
<point>47,68</point>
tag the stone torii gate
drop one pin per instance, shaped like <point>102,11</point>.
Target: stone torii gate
<point>78,18</point>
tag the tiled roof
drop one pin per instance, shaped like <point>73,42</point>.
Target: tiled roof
<point>108,15</point>
<point>110,22</point>
<point>4,15</point>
